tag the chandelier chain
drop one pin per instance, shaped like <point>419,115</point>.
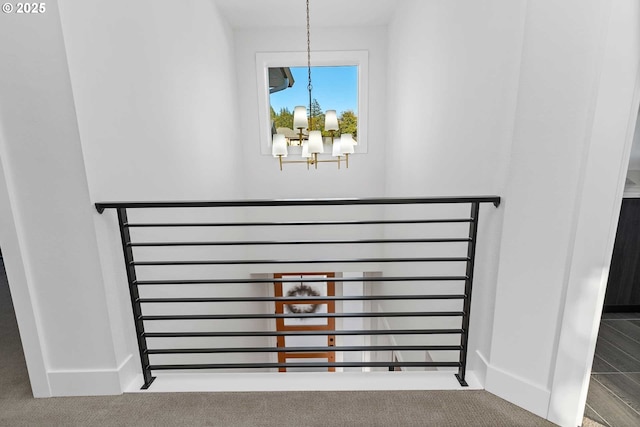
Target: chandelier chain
<point>314,140</point>
<point>309,86</point>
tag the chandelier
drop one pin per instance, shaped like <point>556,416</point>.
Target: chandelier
<point>312,142</point>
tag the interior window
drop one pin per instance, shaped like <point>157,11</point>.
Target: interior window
<point>333,88</point>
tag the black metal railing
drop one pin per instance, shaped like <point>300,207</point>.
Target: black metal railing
<point>381,258</point>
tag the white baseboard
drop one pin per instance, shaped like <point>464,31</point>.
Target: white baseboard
<point>128,370</point>
<point>518,391</point>
<point>304,381</point>
<point>481,367</point>
<point>84,383</point>
<point>99,382</point>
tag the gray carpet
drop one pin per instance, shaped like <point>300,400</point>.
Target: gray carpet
<point>372,408</point>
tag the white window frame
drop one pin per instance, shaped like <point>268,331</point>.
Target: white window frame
<point>266,60</point>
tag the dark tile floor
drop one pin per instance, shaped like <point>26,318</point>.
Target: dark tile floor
<point>614,390</point>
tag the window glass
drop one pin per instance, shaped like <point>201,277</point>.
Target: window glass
<point>334,88</point>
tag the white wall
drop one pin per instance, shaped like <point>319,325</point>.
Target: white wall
<point>154,89</point>
<point>570,147</point>
<point>609,139</point>
<point>155,94</point>
<point>50,244</point>
<point>452,87</point>
<point>453,75</point>
<point>263,177</point>
<point>504,96</point>
<point>556,83</point>
<point>634,161</point>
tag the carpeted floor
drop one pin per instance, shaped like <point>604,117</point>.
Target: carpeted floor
<point>399,408</point>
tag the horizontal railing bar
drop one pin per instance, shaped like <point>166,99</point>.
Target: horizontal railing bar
<point>303,333</point>
<point>304,349</point>
<point>101,206</point>
<point>307,300</point>
<point>298,223</point>
<point>299,261</point>
<point>300,242</point>
<point>301,280</point>
<point>304,365</point>
<point>301,315</point>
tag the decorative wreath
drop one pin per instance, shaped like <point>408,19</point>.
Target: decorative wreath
<point>302,291</point>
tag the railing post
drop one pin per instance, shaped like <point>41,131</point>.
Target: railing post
<point>127,250</point>
<point>468,285</point>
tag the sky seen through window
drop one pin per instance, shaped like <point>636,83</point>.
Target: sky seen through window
<point>335,88</point>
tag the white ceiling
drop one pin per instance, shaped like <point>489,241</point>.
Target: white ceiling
<point>291,13</point>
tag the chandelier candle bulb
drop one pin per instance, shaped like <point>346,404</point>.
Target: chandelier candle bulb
<point>331,125</point>
<point>315,142</point>
<point>337,148</point>
<point>315,145</point>
<point>346,146</point>
<point>346,143</point>
<point>331,120</point>
<point>337,151</point>
<point>279,147</point>
<point>305,150</point>
<point>300,118</point>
